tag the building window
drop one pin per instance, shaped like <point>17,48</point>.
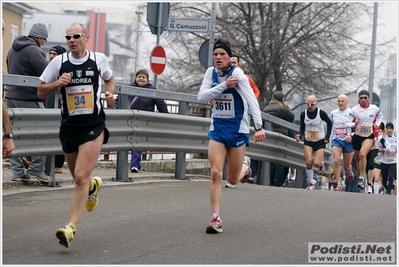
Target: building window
<point>13,33</point>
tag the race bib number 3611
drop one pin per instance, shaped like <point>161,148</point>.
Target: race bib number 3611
<point>80,99</point>
<point>223,106</point>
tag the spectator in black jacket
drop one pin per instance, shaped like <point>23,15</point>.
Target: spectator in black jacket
<point>279,108</point>
<point>142,103</point>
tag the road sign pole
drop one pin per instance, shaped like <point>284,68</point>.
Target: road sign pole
<point>158,35</point>
<point>212,38</point>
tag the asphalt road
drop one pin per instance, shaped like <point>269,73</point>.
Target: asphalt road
<point>163,222</point>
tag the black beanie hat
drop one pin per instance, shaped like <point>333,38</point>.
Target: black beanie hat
<point>364,92</point>
<point>59,49</point>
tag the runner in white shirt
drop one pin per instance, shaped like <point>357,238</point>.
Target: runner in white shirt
<point>377,164</point>
<point>342,140</point>
<point>388,158</point>
<point>367,118</point>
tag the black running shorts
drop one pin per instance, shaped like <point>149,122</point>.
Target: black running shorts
<point>315,145</point>
<point>72,137</point>
<point>358,140</point>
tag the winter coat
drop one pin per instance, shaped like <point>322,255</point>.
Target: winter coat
<point>144,103</point>
<point>25,58</point>
<point>277,109</point>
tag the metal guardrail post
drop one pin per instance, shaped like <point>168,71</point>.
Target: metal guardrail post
<point>51,102</point>
<point>180,164</point>
<point>299,178</point>
<point>122,156</point>
<point>264,174</point>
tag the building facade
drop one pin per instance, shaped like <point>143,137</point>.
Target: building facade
<point>388,94</point>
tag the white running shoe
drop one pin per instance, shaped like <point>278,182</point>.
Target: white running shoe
<point>215,226</point>
<point>360,182</point>
<point>247,175</point>
<point>229,185</point>
<point>247,161</point>
<point>322,168</point>
<point>310,187</point>
<point>369,190</point>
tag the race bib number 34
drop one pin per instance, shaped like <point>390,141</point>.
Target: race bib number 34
<point>80,99</point>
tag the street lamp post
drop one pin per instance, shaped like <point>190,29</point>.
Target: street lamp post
<point>138,13</point>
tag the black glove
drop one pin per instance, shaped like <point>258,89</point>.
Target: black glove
<point>382,141</point>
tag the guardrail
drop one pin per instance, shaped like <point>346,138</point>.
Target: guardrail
<point>36,132</point>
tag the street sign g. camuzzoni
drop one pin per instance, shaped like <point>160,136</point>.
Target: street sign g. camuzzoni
<point>188,25</point>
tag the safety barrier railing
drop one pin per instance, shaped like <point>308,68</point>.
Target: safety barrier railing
<point>36,132</point>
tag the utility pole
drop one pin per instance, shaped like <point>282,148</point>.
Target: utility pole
<point>212,35</point>
<point>138,13</point>
<point>372,57</point>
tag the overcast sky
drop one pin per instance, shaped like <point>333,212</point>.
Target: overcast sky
<point>387,13</point>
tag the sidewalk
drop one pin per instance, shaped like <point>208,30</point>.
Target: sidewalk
<point>106,170</point>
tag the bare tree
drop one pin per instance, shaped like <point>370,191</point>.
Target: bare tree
<point>299,48</point>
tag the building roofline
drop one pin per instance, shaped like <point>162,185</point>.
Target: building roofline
<point>19,8</point>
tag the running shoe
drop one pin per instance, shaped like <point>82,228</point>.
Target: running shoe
<point>134,169</point>
<point>360,182</point>
<point>93,199</point>
<point>229,185</point>
<point>247,175</point>
<point>369,190</point>
<point>350,176</point>
<point>65,235</point>
<point>338,188</point>
<point>215,226</point>
<point>247,160</point>
<point>311,186</point>
<point>322,167</point>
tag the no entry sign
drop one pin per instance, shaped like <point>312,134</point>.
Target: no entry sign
<point>158,60</point>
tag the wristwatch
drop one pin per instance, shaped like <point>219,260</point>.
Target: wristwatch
<point>9,135</point>
<point>258,126</point>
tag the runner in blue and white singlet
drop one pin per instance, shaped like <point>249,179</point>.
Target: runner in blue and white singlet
<point>229,105</point>
<point>231,95</point>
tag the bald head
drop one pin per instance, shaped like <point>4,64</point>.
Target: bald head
<point>342,102</point>
<point>311,99</point>
<point>311,102</point>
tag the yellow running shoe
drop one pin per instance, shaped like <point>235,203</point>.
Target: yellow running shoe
<point>93,199</point>
<point>66,235</point>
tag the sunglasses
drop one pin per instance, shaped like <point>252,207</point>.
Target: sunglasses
<point>311,104</point>
<point>75,36</point>
<point>365,97</point>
